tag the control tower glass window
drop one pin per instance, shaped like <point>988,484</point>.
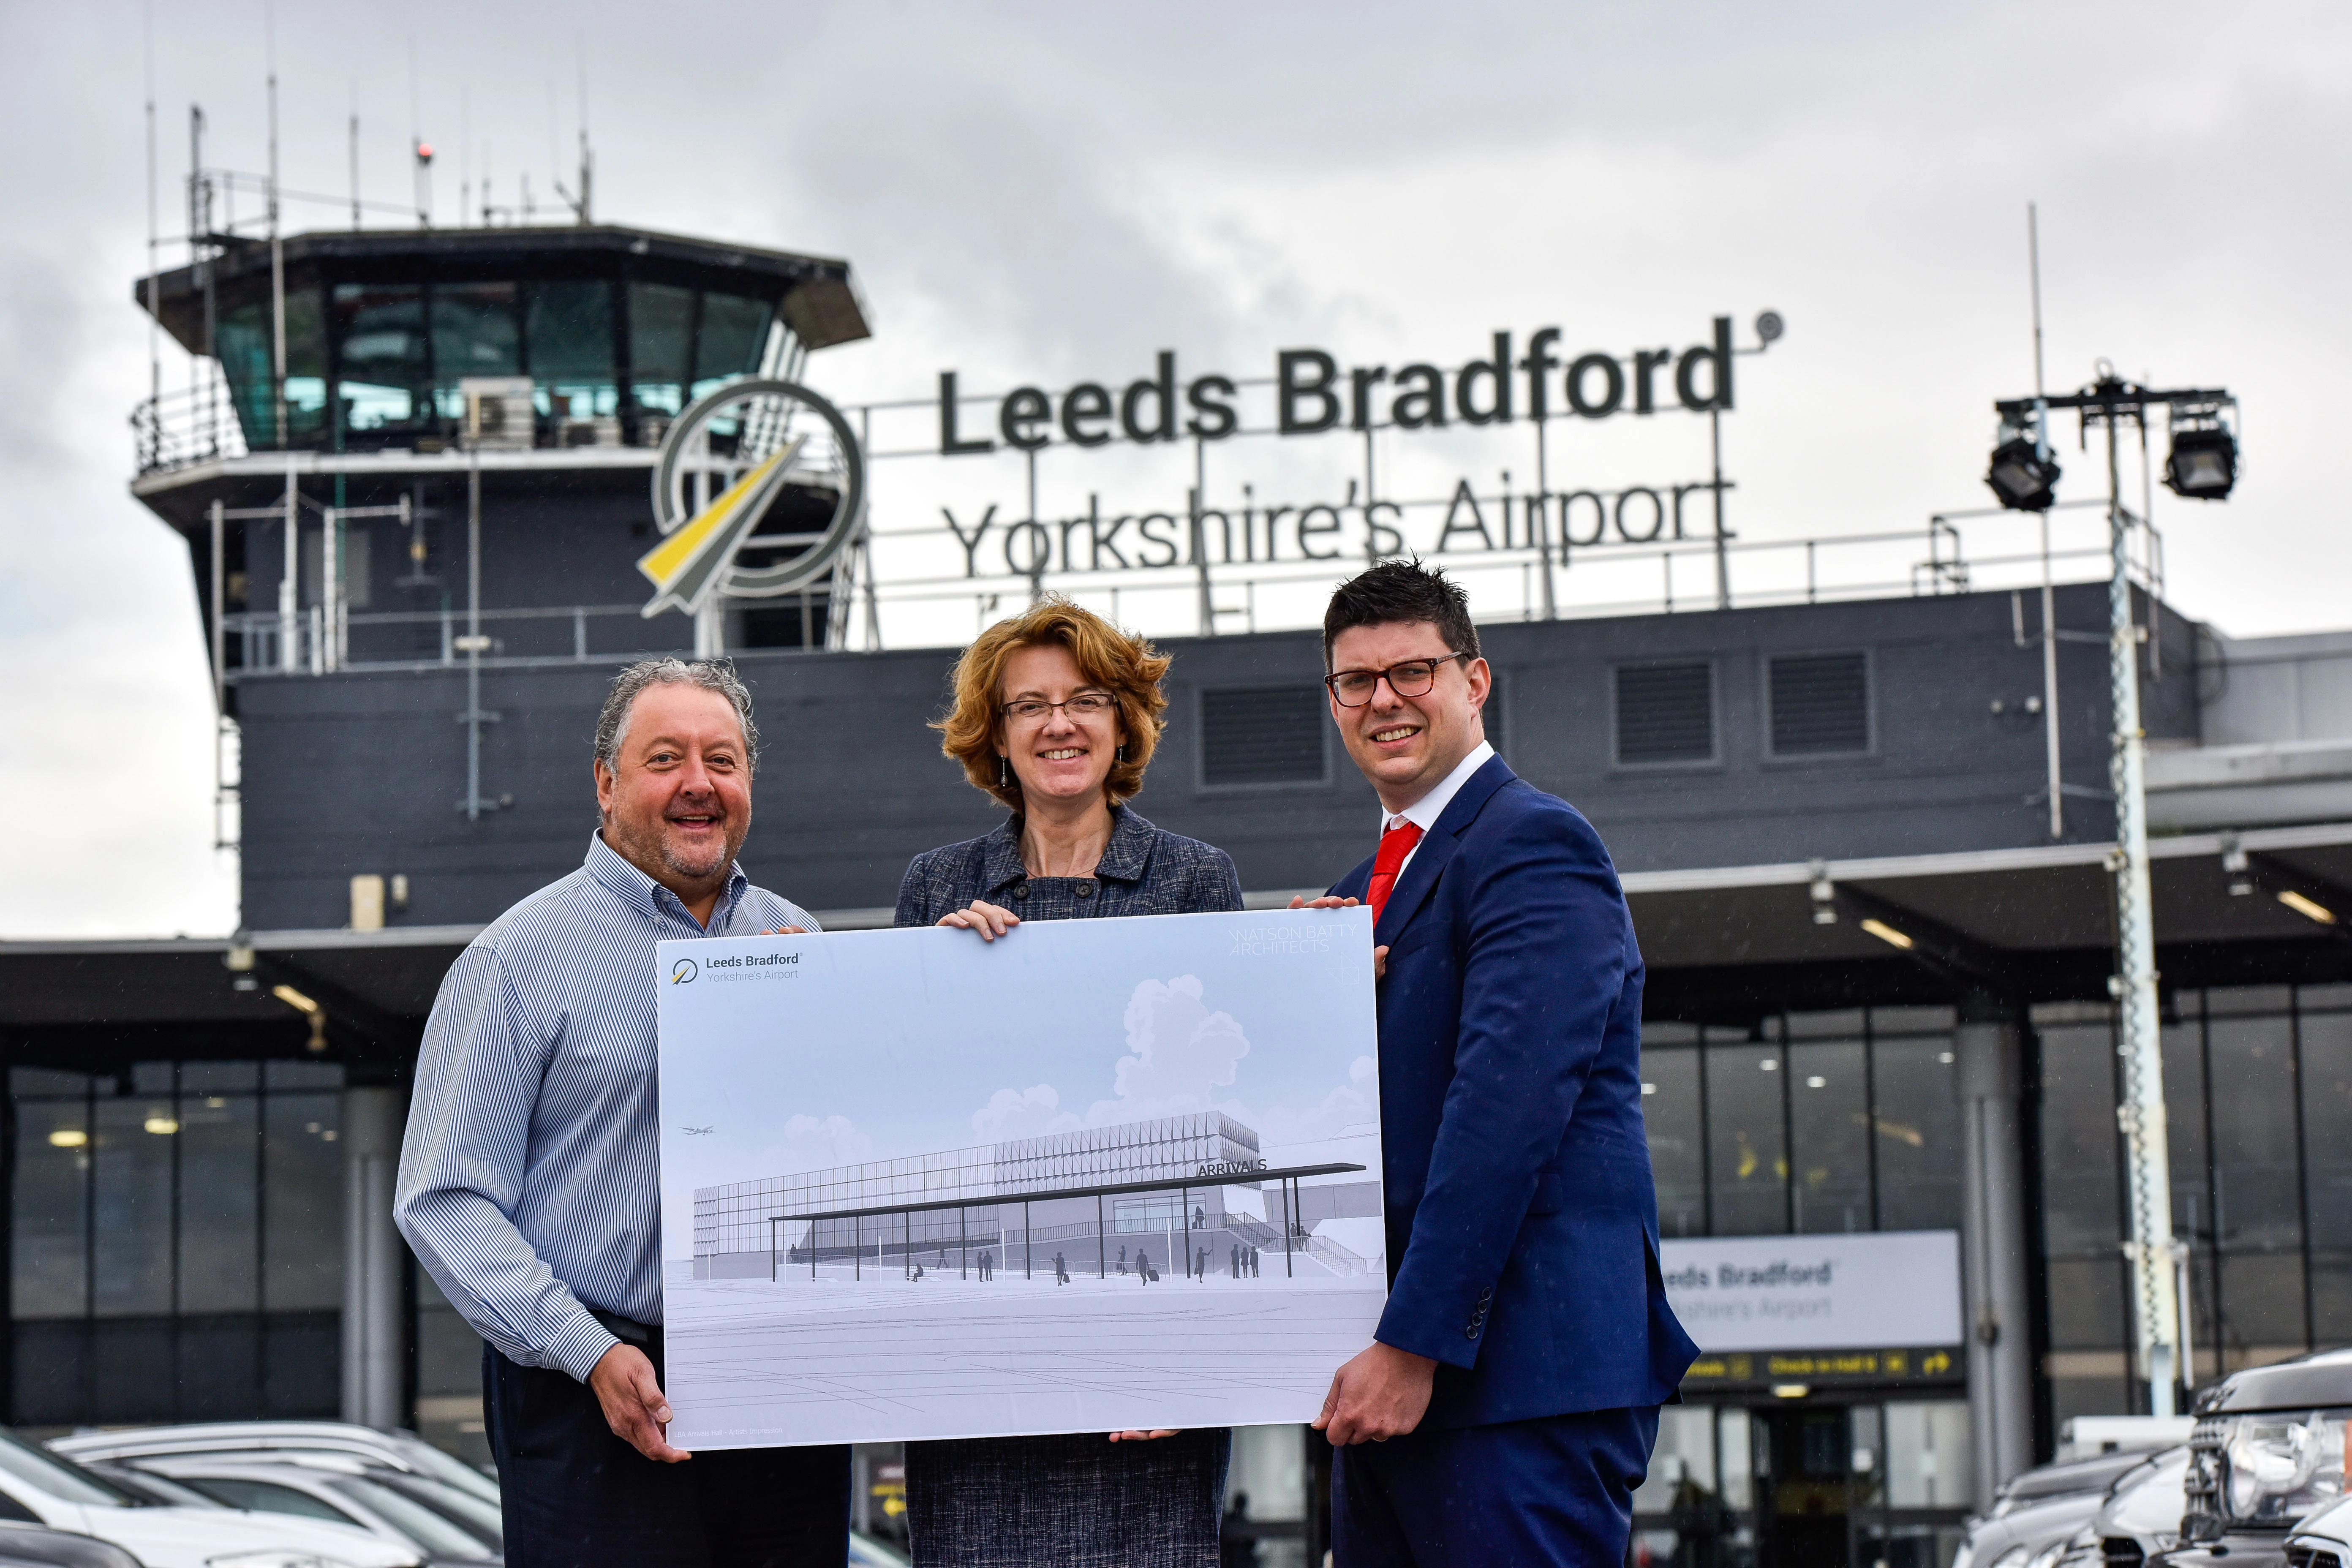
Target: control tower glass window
<point>244,340</point>
<point>476,332</point>
<point>661,336</point>
<point>380,328</point>
<point>734,331</point>
<point>568,343</point>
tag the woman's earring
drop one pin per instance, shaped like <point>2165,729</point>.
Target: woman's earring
<point>1003,771</point>
<point>1122,754</point>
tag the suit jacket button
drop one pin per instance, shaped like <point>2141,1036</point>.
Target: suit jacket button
<point>1471,1332</point>
<point>1085,889</point>
<point>1022,891</point>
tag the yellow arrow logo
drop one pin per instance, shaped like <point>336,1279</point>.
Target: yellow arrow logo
<point>687,567</point>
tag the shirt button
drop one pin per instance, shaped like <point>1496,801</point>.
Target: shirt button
<point>1085,889</point>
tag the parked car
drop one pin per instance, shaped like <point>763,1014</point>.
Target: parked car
<point>391,1450</point>
<point>429,1517</point>
<point>2324,1539</point>
<point>38,1486</point>
<point>2013,1538</point>
<point>2268,1451</point>
<point>2140,1519</point>
<point>37,1546</point>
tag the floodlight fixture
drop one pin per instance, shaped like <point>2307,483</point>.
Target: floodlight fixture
<point>2023,474</point>
<point>2203,462</point>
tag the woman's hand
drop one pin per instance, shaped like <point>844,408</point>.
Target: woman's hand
<point>985,918</point>
<point>1138,1436</point>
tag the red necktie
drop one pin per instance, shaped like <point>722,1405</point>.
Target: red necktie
<point>1395,845</point>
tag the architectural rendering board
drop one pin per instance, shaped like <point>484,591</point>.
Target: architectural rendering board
<point>1095,1175</point>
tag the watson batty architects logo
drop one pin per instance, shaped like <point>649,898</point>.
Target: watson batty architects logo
<point>682,971</point>
<point>1277,941</point>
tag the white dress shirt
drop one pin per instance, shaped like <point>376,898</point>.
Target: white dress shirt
<point>1423,812</point>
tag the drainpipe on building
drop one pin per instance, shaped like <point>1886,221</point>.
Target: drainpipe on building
<point>375,1348</point>
<point>1993,1240</point>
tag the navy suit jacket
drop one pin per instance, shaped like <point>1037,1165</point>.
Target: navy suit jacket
<point>1522,1224</point>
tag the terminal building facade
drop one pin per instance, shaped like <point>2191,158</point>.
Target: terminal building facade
<point>416,592</point>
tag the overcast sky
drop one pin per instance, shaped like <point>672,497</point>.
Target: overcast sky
<point>1050,193</point>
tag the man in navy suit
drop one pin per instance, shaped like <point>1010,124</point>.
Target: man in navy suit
<point>1506,1410</point>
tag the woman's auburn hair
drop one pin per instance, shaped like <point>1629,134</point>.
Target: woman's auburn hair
<point>1122,663</point>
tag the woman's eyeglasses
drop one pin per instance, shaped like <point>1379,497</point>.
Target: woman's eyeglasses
<point>1413,677</point>
<point>1085,705</point>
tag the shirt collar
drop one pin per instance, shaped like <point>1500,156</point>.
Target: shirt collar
<point>652,899</point>
<point>1123,858</point>
<point>1423,812</point>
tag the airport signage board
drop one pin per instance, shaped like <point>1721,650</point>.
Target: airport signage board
<point>1118,509</point>
<point>1816,1293</point>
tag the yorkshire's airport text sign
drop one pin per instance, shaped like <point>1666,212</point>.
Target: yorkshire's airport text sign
<point>1312,392</point>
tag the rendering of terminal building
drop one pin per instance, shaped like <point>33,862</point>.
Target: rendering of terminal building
<point>1864,817</point>
<point>1187,1195</point>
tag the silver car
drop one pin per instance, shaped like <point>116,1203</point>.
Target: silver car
<point>387,1450</point>
<point>437,1520</point>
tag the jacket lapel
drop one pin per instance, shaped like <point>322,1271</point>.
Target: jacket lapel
<point>1436,847</point>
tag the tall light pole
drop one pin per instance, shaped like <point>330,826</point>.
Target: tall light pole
<point>2024,475</point>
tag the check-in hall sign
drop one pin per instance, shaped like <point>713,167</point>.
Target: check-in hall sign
<point>1828,1292</point>
<point>1497,454</point>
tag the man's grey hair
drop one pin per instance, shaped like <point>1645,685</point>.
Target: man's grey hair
<point>711,675</point>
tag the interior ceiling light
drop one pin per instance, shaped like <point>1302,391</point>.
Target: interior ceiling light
<point>294,999</point>
<point>1888,934</point>
<point>2024,476</point>
<point>1789,1391</point>
<point>2309,908</point>
<point>2202,464</point>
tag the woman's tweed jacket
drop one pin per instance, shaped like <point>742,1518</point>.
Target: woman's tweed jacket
<point>1144,870</point>
<point>1077,1500</point>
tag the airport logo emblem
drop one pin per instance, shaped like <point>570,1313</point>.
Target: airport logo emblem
<point>758,490</point>
<point>682,971</point>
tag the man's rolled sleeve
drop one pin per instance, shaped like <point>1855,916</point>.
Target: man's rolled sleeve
<point>461,1173</point>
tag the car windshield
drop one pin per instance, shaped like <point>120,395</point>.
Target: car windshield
<point>447,1468</point>
<point>268,1497</point>
<point>44,1473</point>
<point>437,1533</point>
<point>483,1518</point>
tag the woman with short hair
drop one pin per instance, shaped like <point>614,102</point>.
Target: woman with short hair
<point>1056,714</point>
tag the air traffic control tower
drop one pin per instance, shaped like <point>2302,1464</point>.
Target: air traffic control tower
<point>420,457</point>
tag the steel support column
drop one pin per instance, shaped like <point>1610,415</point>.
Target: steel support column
<point>1993,1243</point>
<point>374,1334</point>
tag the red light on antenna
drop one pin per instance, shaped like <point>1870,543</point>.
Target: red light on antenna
<point>425,152</point>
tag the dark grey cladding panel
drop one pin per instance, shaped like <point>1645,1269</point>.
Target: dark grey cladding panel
<point>364,773</point>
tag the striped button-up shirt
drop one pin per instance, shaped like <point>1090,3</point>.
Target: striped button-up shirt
<point>529,1179</point>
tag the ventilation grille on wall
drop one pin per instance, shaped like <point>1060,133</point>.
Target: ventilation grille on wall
<point>1262,735</point>
<point>1821,704</point>
<point>1666,713</point>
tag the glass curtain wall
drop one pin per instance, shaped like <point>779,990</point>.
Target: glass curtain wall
<point>1845,1122</point>
<point>178,1242</point>
<point>2258,1099</point>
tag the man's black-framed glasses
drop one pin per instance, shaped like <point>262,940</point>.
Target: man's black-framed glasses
<point>1085,705</point>
<point>1413,677</point>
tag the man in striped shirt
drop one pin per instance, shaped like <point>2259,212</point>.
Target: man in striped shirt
<point>528,1180</point>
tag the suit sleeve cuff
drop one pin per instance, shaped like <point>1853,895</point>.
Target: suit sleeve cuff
<point>581,1345</point>
<point>1400,1329</point>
